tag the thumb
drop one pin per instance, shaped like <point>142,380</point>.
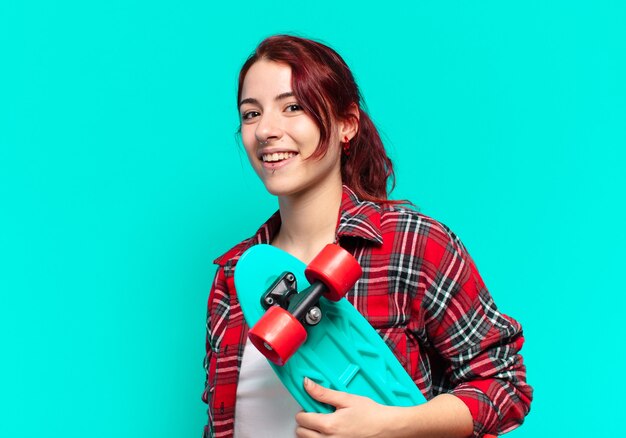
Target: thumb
<point>331,397</point>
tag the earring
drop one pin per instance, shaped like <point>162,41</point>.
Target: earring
<point>345,144</point>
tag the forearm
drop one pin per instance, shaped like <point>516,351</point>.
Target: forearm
<point>443,416</point>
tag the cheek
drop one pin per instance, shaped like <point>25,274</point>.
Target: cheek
<point>307,133</point>
<point>249,142</point>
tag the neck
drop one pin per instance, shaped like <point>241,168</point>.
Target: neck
<point>309,221</point>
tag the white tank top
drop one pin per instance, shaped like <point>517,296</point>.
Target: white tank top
<point>264,407</point>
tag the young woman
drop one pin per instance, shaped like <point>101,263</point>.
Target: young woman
<point>314,147</point>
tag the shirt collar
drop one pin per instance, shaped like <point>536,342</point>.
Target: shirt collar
<point>359,218</point>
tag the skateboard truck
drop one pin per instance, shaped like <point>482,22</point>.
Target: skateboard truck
<point>303,306</point>
<point>280,292</point>
<point>280,332</point>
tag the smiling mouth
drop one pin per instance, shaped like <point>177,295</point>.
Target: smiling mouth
<point>277,157</point>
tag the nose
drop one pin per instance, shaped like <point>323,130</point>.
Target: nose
<point>268,129</point>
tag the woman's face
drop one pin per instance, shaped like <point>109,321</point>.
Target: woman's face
<point>279,136</point>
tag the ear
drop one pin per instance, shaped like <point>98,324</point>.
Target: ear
<point>349,126</point>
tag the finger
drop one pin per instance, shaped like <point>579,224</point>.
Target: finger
<point>303,432</point>
<point>310,420</point>
<point>331,397</point>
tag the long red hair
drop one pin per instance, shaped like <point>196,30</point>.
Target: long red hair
<point>325,87</point>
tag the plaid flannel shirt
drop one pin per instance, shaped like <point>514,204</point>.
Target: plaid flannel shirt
<point>422,293</point>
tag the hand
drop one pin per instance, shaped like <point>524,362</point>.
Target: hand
<point>360,417</point>
<point>355,416</point>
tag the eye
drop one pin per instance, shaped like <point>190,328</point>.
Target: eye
<point>293,108</point>
<point>249,115</point>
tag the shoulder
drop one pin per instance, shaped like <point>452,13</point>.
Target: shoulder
<point>263,235</point>
<point>427,241</point>
<point>232,255</point>
<point>402,219</point>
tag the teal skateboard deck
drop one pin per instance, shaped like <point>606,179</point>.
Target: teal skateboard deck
<point>342,352</point>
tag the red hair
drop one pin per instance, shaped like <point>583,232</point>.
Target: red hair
<point>326,89</point>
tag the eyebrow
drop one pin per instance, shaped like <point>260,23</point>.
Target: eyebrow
<point>256,102</point>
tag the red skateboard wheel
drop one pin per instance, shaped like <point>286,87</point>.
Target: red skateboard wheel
<point>277,335</point>
<point>336,268</point>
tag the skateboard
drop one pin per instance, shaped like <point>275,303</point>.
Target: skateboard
<point>301,323</point>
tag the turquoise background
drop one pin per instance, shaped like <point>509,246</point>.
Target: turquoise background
<point>121,178</point>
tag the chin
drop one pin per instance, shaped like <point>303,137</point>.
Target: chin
<point>283,188</point>
<point>279,190</point>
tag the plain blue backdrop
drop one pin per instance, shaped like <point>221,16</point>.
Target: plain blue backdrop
<point>121,178</point>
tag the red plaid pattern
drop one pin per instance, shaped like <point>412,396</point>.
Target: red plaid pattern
<point>422,293</point>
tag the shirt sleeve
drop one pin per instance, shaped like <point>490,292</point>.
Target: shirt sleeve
<point>218,288</point>
<point>480,346</point>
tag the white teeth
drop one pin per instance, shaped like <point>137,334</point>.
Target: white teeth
<point>278,156</point>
